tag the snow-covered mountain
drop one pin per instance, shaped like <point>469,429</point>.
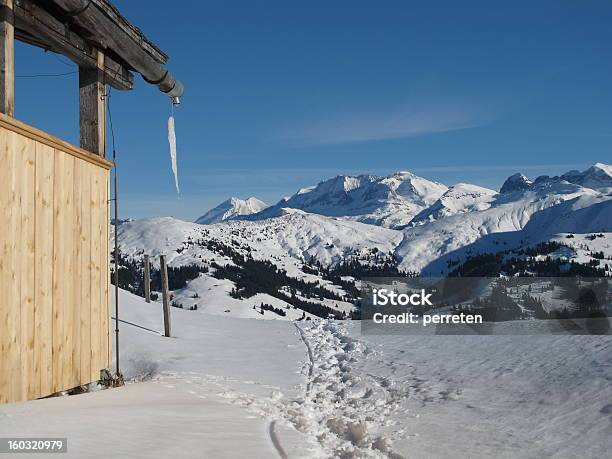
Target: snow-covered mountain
<point>516,182</point>
<point>390,201</point>
<point>458,199</point>
<point>298,264</point>
<point>514,219</point>
<point>287,242</point>
<point>296,236</point>
<point>597,177</point>
<point>231,208</point>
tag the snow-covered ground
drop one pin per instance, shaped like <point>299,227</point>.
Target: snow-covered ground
<point>226,387</point>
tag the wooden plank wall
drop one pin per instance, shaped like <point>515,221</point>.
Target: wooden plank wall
<point>54,266</point>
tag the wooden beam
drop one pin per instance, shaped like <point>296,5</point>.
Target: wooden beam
<point>7,58</point>
<point>131,30</point>
<point>92,113</point>
<point>107,34</point>
<point>36,26</point>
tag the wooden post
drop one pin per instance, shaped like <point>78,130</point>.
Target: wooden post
<point>92,107</point>
<point>7,58</point>
<point>147,279</point>
<point>165,294</point>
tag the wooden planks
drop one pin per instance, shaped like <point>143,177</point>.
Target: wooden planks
<point>96,279</point>
<point>85,267</point>
<point>63,270</point>
<point>8,303</point>
<point>43,314</point>
<point>5,306</point>
<point>39,136</point>
<point>13,266</point>
<point>54,312</point>
<point>25,159</point>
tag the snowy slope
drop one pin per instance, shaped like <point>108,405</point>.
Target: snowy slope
<point>233,207</point>
<point>287,241</point>
<point>227,388</point>
<point>458,199</point>
<point>295,236</point>
<point>514,219</point>
<point>389,201</point>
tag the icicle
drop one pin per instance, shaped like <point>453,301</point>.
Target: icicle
<point>172,142</point>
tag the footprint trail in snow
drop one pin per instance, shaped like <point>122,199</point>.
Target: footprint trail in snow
<point>343,410</point>
<point>347,413</point>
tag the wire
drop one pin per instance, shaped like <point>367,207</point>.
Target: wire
<point>46,75</point>
<point>110,115</point>
<point>110,122</point>
<point>139,326</point>
<point>61,60</point>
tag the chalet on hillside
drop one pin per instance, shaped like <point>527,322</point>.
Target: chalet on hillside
<point>54,198</point>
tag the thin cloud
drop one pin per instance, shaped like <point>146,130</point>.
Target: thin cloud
<point>383,126</point>
<point>498,167</point>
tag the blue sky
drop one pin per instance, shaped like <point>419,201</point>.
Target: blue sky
<point>281,96</point>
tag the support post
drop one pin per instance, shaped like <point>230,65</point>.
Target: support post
<point>92,112</point>
<point>7,58</point>
<point>165,294</point>
<point>147,279</point>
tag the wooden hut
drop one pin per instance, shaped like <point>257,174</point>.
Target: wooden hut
<point>54,198</point>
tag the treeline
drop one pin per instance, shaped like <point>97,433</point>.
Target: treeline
<point>376,264</point>
<point>131,275</point>
<point>268,307</point>
<point>251,277</point>
<point>494,264</point>
<point>587,300</point>
<point>498,307</point>
<point>178,276</point>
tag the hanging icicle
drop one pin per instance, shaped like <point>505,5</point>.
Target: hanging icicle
<point>172,142</point>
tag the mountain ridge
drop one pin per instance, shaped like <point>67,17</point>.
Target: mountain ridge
<point>389,201</point>
<point>314,261</point>
<point>230,208</point>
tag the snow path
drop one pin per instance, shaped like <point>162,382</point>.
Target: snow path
<point>341,413</point>
<point>341,408</point>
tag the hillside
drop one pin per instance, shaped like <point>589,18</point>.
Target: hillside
<point>286,263</point>
<point>279,247</point>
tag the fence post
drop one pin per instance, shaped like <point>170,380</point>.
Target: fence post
<point>147,279</point>
<point>165,294</point>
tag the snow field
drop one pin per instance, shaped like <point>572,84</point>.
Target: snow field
<point>225,388</point>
